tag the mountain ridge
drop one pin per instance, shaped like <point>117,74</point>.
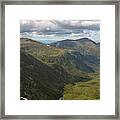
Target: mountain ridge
<point>80,39</point>
<point>65,65</point>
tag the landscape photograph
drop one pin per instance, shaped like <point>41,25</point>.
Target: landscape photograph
<point>59,59</point>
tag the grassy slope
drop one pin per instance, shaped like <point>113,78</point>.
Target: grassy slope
<point>89,90</point>
<point>39,81</point>
<point>62,62</point>
<point>84,45</point>
<point>40,51</point>
<point>55,57</point>
<point>84,53</point>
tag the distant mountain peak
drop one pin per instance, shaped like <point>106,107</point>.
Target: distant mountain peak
<point>85,39</point>
<point>73,43</point>
<point>78,40</point>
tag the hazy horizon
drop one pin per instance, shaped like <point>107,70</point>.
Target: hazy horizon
<point>48,31</point>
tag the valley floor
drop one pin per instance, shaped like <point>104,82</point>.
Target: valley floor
<point>82,91</point>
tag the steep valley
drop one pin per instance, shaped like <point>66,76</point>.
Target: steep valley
<point>59,70</point>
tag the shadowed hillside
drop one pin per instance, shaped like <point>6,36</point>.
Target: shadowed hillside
<point>39,81</point>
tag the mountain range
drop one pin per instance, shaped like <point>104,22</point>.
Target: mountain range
<point>46,70</point>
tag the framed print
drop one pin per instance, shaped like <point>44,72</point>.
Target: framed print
<point>60,60</point>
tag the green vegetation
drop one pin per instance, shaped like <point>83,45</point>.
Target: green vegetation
<point>82,91</point>
<point>52,72</point>
<point>39,81</point>
<point>85,46</point>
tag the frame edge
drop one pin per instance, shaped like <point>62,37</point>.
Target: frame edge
<point>2,56</point>
<point>2,59</point>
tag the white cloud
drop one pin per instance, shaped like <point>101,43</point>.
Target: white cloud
<point>74,35</point>
<point>60,29</point>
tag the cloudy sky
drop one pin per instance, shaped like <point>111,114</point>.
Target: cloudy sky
<point>48,31</point>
